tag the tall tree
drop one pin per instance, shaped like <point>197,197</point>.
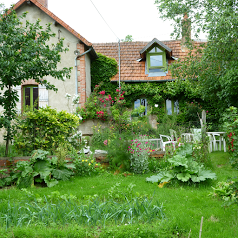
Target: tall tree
<point>215,67</point>
<point>25,53</point>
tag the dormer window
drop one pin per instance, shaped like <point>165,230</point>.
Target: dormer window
<point>156,59</point>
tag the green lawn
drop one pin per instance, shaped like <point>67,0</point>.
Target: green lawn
<point>183,207</point>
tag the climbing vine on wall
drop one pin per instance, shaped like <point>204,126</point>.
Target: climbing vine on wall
<point>102,70</point>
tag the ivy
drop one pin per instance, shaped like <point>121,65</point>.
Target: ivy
<point>102,70</point>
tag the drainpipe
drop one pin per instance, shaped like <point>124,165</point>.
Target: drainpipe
<point>119,56</point>
<point>76,52</point>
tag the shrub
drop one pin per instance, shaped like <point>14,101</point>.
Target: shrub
<point>45,128</point>
<point>230,125</point>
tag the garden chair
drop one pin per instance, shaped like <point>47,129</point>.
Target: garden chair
<point>197,134</point>
<point>173,135</point>
<point>210,143</point>
<point>218,140</point>
<point>187,137</point>
<point>165,140</point>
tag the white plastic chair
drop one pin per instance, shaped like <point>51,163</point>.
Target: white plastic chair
<point>210,142</point>
<point>197,134</point>
<point>187,137</point>
<point>218,139</point>
<point>173,135</point>
<point>165,140</point>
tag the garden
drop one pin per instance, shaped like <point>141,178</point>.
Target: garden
<point>63,190</point>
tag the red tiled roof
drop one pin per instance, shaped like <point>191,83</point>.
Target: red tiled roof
<point>131,69</point>
<point>58,20</point>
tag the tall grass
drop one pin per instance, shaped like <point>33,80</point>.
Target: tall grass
<point>94,213</point>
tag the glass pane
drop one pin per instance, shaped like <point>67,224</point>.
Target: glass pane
<point>156,60</point>
<point>35,98</point>
<point>176,107</point>
<point>169,107</point>
<point>158,49</point>
<point>137,103</point>
<point>152,51</point>
<point>27,96</point>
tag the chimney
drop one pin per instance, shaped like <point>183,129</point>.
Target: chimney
<point>186,31</point>
<point>43,2</point>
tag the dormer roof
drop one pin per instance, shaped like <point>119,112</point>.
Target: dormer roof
<point>151,44</point>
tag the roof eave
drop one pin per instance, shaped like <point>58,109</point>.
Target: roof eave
<point>156,41</point>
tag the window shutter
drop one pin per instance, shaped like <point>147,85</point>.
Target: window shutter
<point>18,89</point>
<point>43,96</point>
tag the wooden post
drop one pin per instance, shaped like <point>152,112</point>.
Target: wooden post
<point>200,232</point>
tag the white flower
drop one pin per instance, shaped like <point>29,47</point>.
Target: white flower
<point>67,95</point>
<point>75,99</point>
<point>156,105</point>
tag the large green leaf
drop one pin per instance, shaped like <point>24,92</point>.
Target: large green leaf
<point>163,176</point>
<point>41,166</point>
<point>179,160</point>
<point>70,166</point>
<point>50,182</point>
<point>203,175</point>
<point>185,150</point>
<point>167,176</point>
<point>154,178</point>
<point>183,177</point>
<point>63,174</point>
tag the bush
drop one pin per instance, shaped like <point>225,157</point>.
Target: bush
<point>230,125</point>
<point>45,128</point>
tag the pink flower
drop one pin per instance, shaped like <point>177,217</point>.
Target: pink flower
<point>105,142</point>
<point>102,92</point>
<point>117,90</point>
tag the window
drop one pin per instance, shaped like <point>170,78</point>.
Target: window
<point>30,97</point>
<point>172,106</point>
<point>141,102</point>
<point>156,59</point>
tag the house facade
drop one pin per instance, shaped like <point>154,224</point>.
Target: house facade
<point>142,62</point>
<point>79,56</point>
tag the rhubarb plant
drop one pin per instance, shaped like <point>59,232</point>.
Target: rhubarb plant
<point>183,167</point>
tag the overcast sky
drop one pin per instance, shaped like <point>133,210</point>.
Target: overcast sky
<point>139,18</point>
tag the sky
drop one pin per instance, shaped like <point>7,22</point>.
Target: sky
<point>103,21</point>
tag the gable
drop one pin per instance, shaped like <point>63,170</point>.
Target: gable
<point>55,20</point>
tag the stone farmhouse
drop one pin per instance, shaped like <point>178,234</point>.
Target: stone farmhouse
<point>79,57</point>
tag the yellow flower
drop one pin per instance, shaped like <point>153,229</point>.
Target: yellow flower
<point>92,161</point>
<point>86,160</point>
<point>82,160</point>
<point>161,185</point>
<point>89,164</point>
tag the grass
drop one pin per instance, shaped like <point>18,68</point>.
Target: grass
<point>182,205</point>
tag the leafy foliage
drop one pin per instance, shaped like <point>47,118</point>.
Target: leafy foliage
<point>45,128</point>
<point>210,69</point>
<point>102,70</point>
<point>227,191</point>
<point>25,54</point>
<point>40,169</point>
<point>230,125</point>
<point>183,167</point>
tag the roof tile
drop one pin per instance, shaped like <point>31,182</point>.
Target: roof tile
<point>131,69</point>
